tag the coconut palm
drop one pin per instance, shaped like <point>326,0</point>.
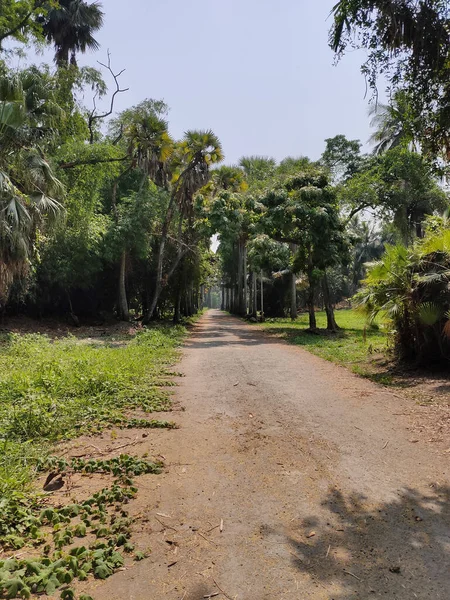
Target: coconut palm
<point>70,27</point>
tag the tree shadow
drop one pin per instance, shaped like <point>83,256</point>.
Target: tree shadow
<point>399,549</point>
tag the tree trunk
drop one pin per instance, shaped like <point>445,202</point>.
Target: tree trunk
<point>312,313</point>
<point>293,307</point>
<point>262,298</point>
<point>331,322</point>
<point>250,303</point>
<point>244,258</point>
<point>293,311</point>
<point>177,308</point>
<point>240,281</point>
<point>123,313</point>
<point>160,260</point>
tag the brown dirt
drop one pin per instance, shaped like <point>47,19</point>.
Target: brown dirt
<point>323,491</point>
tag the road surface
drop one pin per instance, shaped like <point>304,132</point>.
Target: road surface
<point>321,490</point>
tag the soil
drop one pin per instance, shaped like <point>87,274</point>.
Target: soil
<point>289,477</point>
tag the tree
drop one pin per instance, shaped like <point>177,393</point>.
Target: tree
<point>410,286</point>
<point>70,27</point>
<point>394,124</point>
<point>19,19</point>
<point>342,157</point>
<point>29,190</point>
<point>366,246</point>
<point>192,160</point>
<point>409,43</point>
<point>400,186</point>
<point>303,211</point>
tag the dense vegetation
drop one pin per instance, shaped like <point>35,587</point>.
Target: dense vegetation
<point>106,214</point>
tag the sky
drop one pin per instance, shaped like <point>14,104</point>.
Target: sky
<point>259,73</point>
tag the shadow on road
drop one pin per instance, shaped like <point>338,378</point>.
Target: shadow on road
<point>400,549</point>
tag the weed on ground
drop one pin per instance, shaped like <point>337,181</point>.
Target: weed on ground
<point>58,389</point>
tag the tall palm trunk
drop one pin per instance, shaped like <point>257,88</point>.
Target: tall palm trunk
<point>331,322</point>
<point>122,302</point>
<point>240,280</point>
<point>177,307</point>
<point>244,258</point>
<point>124,314</point>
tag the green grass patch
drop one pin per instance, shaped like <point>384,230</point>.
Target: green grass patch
<point>52,390</point>
<point>353,346</point>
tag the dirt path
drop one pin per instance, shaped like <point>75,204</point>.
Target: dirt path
<point>322,491</point>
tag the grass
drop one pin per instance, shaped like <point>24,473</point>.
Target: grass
<point>352,347</point>
<point>52,390</point>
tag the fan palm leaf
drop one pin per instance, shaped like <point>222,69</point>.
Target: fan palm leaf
<point>70,27</point>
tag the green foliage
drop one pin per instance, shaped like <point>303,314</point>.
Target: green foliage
<point>123,464</point>
<point>400,186</point>
<point>408,43</point>
<point>52,390</point>
<point>19,19</point>
<point>410,286</point>
<point>304,212</point>
<point>29,189</point>
<point>35,523</point>
<point>342,157</point>
<point>70,26</point>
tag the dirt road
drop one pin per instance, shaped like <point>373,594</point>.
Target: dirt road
<point>321,489</point>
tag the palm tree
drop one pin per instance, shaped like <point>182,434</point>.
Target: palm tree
<point>410,287</point>
<point>228,179</point>
<point>190,166</point>
<point>70,27</point>
<point>149,146</point>
<point>257,168</point>
<point>394,124</point>
<point>28,187</point>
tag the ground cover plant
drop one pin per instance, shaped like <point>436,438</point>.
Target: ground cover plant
<point>51,533</point>
<point>58,389</point>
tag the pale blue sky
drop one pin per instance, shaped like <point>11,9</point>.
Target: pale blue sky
<point>259,73</point>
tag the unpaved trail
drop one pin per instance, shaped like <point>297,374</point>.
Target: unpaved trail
<point>322,492</point>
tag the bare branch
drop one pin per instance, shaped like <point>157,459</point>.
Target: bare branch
<point>93,116</point>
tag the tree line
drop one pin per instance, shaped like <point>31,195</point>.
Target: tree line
<point>107,214</point>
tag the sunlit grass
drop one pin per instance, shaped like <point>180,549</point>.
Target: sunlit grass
<point>353,346</point>
<point>52,390</point>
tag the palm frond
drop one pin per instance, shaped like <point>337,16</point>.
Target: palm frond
<point>429,313</point>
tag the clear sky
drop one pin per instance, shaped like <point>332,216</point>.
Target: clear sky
<point>259,73</point>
